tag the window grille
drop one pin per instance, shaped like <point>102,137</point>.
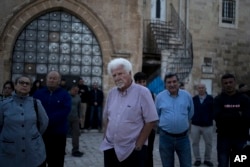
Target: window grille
<point>228,11</point>
<point>58,41</point>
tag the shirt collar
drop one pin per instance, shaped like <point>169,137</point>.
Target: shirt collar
<point>125,92</point>
<point>203,97</point>
<point>172,95</point>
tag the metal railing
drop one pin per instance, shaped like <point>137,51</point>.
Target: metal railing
<point>157,37</point>
<point>182,31</point>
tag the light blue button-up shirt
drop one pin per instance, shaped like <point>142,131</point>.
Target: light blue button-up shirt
<point>175,112</point>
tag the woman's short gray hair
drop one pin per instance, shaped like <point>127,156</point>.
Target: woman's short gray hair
<point>115,63</point>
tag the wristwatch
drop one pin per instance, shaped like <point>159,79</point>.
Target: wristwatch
<point>137,148</point>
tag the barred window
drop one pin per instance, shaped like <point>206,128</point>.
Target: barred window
<point>228,11</point>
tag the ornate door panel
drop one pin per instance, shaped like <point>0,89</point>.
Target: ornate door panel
<point>57,41</point>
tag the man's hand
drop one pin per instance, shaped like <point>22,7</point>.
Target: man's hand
<point>138,148</point>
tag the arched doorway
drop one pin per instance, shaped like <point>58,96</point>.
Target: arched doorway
<point>60,41</point>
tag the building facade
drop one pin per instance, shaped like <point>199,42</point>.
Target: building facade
<point>77,38</point>
<point>220,35</point>
<point>218,43</point>
<point>200,40</point>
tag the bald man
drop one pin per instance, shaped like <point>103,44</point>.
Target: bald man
<point>202,125</point>
<point>57,103</point>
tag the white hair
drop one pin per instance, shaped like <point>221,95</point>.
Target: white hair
<point>115,63</point>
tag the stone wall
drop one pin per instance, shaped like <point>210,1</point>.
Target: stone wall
<point>116,24</point>
<point>227,47</point>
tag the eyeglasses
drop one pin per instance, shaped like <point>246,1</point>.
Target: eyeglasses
<point>7,88</point>
<point>24,83</point>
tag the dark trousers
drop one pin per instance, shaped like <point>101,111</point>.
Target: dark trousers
<point>98,110</point>
<point>43,164</point>
<point>75,132</point>
<point>227,146</point>
<point>55,149</point>
<point>136,158</point>
<point>151,139</point>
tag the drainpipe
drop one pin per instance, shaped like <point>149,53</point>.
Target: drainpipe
<point>185,22</point>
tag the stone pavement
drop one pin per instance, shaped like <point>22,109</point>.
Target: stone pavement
<point>93,157</point>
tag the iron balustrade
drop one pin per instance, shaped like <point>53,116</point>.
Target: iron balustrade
<point>174,37</point>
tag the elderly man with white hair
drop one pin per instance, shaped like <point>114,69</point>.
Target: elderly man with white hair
<point>130,115</point>
<point>202,124</point>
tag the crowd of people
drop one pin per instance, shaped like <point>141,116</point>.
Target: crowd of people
<point>36,119</point>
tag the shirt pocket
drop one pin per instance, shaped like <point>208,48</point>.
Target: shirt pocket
<point>132,113</point>
<point>36,145</point>
<point>7,147</point>
<point>184,109</point>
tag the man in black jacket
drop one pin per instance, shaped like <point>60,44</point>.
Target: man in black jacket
<point>202,125</point>
<point>96,102</point>
<point>232,116</point>
<point>84,94</point>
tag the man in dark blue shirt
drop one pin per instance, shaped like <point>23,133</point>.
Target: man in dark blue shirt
<point>202,125</point>
<point>57,103</point>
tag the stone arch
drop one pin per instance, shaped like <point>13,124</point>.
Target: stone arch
<point>31,11</point>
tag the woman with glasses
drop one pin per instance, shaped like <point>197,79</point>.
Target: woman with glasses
<point>23,120</point>
<point>8,88</point>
